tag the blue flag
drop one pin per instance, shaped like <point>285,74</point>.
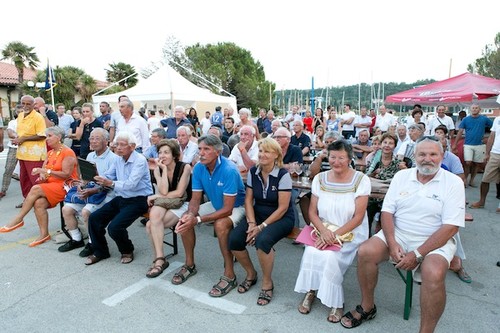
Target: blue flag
<point>48,77</point>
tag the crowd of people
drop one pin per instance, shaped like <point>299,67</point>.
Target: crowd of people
<point>237,174</point>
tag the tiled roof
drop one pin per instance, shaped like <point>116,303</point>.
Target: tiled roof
<point>8,74</point>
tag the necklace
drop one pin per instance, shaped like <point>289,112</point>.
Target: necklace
<point>52,161</point>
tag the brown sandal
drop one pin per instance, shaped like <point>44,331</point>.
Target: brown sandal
<point>93,259</point>
<point>157,269</point>
<point>246,285</point>
<point>305,306</point>
<point>183,274</point>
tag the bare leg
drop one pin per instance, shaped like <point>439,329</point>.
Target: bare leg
<point>222,228</point>
<point>246,263</point>
<point>432,291</point>
<point>467,170</point>
<point>42,216</point>
<point>473,172</point>
<point>34,194</point>
<point>266,263</point>
<point>189,241</point>
<point>159,219</point>
<point>69,217</point>
<point>483,192</point>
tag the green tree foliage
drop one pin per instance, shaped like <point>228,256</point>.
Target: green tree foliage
<point>119,71</point>
<point>22,56</point>
<point>489,64</point>
<point>225,65</point>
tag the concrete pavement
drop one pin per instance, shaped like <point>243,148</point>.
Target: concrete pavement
<point>42,290</point>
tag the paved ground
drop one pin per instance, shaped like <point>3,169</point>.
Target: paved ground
<point>42,290</point>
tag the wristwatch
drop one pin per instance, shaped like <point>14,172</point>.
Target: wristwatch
<point>49,171</point>
<point>418,256</point>
<point>198,219</point>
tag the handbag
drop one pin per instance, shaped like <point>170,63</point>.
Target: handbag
<point>170,203</point>
<point>95,199</point>
<point>347,237</point>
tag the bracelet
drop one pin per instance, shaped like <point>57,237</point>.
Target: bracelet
<point>250,222</point>
<point>264,224</point>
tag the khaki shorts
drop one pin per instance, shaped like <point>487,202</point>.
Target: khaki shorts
<point>410,242</point>
<point>237,215</point>
<point>475,154</point>
<point>492,169</point>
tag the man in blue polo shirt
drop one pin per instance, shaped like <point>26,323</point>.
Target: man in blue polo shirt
<point>173,123</point>
<point>220,180</point>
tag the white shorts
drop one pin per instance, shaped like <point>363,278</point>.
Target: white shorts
<point>237,215</point>
<point>181,210</point>
<point>90,207</point>
<point>410,242</point>
<point>475,154</point>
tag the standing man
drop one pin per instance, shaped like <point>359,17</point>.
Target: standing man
<point>294,116</point>
<point>492,170</point>
<point>173,123</point>
<point>205,123</point>
<point>474,149</point>
<point>113,122</point>
<point>64,119</point>
<point>133,123</point>
<point>105,117</point>
<point>217,118</point>
<point>129,178</point>
<point>49,116</point>
<point>220,180</point>
<point>260,121</point>
<point>425,193</point>
<point>441,119</point>
<point>84,127</point>
<point>363,121</point>
<point>384,120</point>
<point>347,122</point>
<point>11,161</point>
<point>153,121</point>
<point>32,150</point>
<point>301,139</point>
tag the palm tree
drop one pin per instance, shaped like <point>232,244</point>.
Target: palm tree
<point>22,56</point>
<point>120,71</point>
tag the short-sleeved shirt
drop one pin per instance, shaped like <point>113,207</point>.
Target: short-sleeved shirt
<point>452,163</point>
<point>217,119</point>
<point>302,141</point>
<point>32,124</point>
<point>347,116</point>
<point>495,149</point>
<point>85,139</point>
<point>172,126</point>
<point>189,152</point>
<point>385,121</point>
<point>253,153</point>
<point>436,121</point>
<point>225,180</point>
<point>362,120</point>
<point>475,127</point>
<point>293,154</point>
<point>65,122</point>
<point>104,118</point>
<point>421,209</point>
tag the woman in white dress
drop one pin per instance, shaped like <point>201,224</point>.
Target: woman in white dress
<point>339,196</point>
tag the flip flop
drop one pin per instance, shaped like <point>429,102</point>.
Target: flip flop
<point>40,241</point>
<point>462,275</point>
<point>6,229</point>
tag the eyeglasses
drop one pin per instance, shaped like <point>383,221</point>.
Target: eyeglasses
<point>428,138</point>
<point>280,136</point>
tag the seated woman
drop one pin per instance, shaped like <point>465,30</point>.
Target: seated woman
<point>270,217</point>
<point>318,138</point>
<point>59,166</point>
<point>339,196</point>
<point>174,181</point>
<point>376,140</point>
<point>383,168</point>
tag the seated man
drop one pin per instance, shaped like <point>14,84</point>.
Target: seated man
<point>301,139</point>
<point>216,130</point>
<point>245,153</point>
<point>157,135</point>
<point>221,181</point>
<point>361,148</point>
<point>189,149</point>
<point>130,178</point>
<point>104,158</point>
<point>425,193</point>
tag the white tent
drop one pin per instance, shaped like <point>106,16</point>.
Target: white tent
<point>165,88</point>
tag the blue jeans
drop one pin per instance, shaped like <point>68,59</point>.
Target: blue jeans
<point>117,215</point>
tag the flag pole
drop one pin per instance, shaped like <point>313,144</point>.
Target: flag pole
<point>51,86</point>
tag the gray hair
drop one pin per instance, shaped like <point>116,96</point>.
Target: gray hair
<point>56,130</point>
<point>101,131</point>
<point>160,131</point>
<point>219,130</point>
<point>283,131</point>
<point>245,111</point>
<point>211,140</point>
<point>126,136</point>
<point>431,139</point>
<point>186,130</point>
<point>332,134</point>
<point>252,129</point>
<point>180,108</point>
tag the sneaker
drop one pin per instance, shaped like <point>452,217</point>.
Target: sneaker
<point>71,245</point>
<point>87,251</point>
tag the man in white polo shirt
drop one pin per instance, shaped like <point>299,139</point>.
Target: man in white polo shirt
<point>246,153</point>
<point>384,119</point>
<point>422,211</point>
<point>441,119</point>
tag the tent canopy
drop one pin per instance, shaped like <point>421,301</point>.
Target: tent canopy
<point>464,89</point>
<point>166,89</point>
